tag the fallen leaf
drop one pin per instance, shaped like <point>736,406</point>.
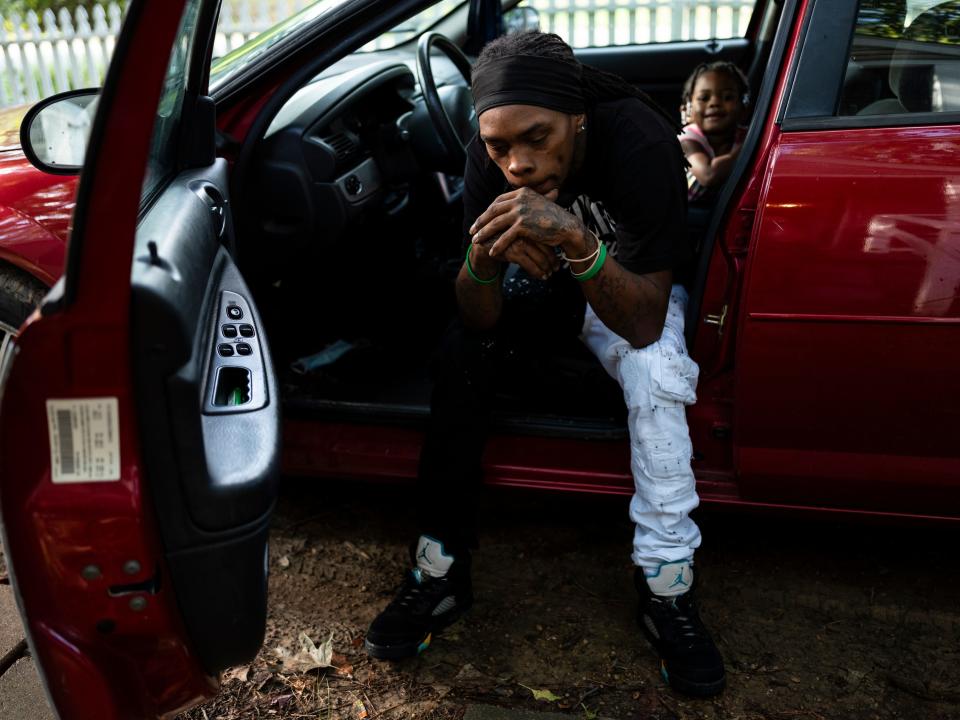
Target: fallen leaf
<point>341,664</point>
<point>308,657</point>
<point>237,673</point>
<point>541,694</point>
<point>298,683</point>
<point>281,701</point>
<point>359,709</point>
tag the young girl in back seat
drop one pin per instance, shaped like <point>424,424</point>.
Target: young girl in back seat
<point>714,109</point>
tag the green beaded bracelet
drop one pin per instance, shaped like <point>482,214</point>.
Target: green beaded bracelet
<point>472,274</point>
<point>593,269</point>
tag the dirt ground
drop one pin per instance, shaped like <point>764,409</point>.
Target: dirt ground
<point>816,619</point>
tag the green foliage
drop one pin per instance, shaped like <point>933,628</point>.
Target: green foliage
<point>886,19</point>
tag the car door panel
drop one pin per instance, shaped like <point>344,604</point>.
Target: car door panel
<point>141,572</point>
<point>212,473</point>
<point>848,333</point>
<point>851,324</point>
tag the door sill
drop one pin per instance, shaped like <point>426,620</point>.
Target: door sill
<point>417,415</point>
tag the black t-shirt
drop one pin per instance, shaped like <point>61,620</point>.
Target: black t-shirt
<point>634,177</point>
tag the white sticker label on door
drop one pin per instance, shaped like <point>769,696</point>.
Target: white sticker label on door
<point>84,440</point>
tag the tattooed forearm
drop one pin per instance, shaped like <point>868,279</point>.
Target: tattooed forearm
<point>633,306</point>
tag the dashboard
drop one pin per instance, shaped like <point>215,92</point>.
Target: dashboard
<point>346,147</point>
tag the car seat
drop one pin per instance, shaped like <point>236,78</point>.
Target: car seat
<point>925,65</point>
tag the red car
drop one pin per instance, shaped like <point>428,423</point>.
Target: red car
<point>310,192</point>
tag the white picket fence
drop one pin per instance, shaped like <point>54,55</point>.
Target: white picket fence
<point>45,54</point>
<point>40,56</point>
<point>597,23</point>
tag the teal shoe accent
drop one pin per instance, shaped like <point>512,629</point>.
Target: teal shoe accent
<point>678,580</point>
<point>425,644</point>
<point>423,553</point>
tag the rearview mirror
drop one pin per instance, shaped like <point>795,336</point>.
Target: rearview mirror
<point>520,19</point>
<point>55,131</point>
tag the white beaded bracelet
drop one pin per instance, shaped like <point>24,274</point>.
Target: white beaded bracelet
<point>591,256</point>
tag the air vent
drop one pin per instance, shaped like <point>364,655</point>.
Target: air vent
<point>345,148</point>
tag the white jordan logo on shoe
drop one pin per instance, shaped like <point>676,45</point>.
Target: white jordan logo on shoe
<point>670,579</point>
<point>430,557</point>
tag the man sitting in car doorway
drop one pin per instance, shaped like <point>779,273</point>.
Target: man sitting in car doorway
<point>577,178</point>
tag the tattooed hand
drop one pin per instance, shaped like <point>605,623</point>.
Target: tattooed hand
<point>523,226</point>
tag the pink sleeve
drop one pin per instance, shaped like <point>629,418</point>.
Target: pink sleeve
<point>692,133</point>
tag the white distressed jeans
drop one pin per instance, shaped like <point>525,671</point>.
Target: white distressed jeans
<point>658,381</point>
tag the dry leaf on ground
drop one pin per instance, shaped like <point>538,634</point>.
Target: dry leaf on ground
<point>541,694</point>
<point>308,657</point>
<point>238,673</point>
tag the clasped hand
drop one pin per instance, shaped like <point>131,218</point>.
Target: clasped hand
<point>523,227</point>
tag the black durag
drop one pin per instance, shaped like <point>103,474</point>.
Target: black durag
<point>529,80</point>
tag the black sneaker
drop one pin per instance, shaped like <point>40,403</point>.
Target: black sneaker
<point>435,593</point>
<point>689,659</point>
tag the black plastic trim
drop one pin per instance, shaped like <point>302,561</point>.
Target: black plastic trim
<point>853,122</point>
<point>330,103</point>
<point>417,416</point>
<point>820,69</point>
<point>212,478</point>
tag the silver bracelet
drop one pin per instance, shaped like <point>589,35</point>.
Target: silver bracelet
<point>591,256</point>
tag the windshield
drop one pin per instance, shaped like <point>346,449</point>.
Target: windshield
<point>420,22</point>
<point>233,62</point>
<point>258,43</point>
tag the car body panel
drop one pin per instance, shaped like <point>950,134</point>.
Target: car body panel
<point>35,207</point>
<point>86,559</point>
<point>852,323</point>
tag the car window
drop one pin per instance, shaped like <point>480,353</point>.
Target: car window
<point>599,23</point>
<point>162,161</point>
<point>419,23</point>
<point>904,58</point>
<point>241,39</point>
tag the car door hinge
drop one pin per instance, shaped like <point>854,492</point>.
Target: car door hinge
<point>718,320</point>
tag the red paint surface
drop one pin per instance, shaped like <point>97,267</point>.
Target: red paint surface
<point>143,666</point>
<point>35,212</point>
<point>847,382</point>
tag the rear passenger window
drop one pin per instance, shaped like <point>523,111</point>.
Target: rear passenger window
<point>599,23</point>
<point>904,58</point>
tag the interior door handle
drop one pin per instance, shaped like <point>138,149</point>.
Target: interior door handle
<point>213,199</point>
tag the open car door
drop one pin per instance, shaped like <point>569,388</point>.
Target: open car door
<point>139,424</point>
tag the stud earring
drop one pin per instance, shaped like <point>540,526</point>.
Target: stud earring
<point>583,126</point>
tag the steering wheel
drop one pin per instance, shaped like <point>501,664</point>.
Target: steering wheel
<point>451,107</point>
